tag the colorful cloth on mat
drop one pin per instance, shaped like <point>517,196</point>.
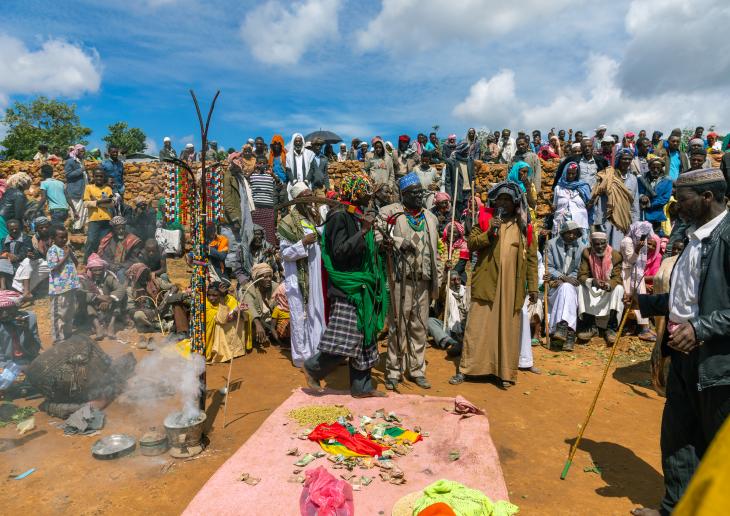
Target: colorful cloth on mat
<point>342,440</point>
<point>403,434</point>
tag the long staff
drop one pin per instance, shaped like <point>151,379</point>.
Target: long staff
<point>457,173</point>
<point>546,283</point>
<point>627,310</point>
<point>230,364</point>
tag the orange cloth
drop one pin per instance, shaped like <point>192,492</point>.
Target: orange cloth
<point>220,243</point>
<point>437,509</point>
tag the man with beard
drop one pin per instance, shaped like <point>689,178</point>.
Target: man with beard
<point>257,251</point>
<point>258,297</point>
<point>298,162</point>
<point>357,291</point>
<point>120,249</point>
<point>696,336</point>
<point>404,157</point>
<point>601,289</point>
<point>415,236</point>
<point>379,166</point>
<point>167,152</point>
<point>564,256</point>
<point>301,255</point>
<point>523,153</point>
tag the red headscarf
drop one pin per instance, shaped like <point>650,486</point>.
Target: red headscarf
<point>459,242</point>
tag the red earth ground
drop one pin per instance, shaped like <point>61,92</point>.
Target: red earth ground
<point>617,466</point>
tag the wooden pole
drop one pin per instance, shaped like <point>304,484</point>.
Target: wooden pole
<point>574,448</point>
<point>457,174</point>
<point>546,290</point>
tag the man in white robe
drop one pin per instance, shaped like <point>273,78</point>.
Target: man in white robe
<point>564,257</point>
<point>601,290</point>
<point>302,260</point>
<point>531,313</point>
<point>298,160</point>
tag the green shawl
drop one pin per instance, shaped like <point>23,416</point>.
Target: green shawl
<point>366,289</point>
<point>290,228</point>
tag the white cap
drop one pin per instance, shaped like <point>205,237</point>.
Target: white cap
<point>608,139</point>
<point>602,127</point>
<point>166,139</point>
<point>188,145</point>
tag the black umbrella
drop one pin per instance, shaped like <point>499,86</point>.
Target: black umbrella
<point>327,136</point>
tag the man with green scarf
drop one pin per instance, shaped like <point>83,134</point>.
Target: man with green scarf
<point>299,240</point>
<point>357,291</point>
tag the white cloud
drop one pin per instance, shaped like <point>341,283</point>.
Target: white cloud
<point>280,34</point>
<point>56,68</point>
<point>597,99</point>
<point>409,25</point>
<point>188,138</point>
<point>673,46</point>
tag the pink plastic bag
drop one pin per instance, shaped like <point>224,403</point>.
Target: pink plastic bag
<point>324,495</point>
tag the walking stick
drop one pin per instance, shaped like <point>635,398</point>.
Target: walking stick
<point>451,240</point>
<point>546,284</point>
<point>230,364</point>
<point>574,448</point>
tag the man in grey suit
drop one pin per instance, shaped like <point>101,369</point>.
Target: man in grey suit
<point>317,178</point>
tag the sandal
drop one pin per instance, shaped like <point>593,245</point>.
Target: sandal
<point>457,379</point>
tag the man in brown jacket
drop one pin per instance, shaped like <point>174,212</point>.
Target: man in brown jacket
<point>601,289</point>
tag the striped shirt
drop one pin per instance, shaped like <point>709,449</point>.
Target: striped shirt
<point>263,190</point>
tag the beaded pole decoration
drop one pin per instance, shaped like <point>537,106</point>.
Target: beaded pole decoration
<point>171,193</point>
<point>215,195</point>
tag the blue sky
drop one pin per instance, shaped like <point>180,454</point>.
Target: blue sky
<point>366,68</point>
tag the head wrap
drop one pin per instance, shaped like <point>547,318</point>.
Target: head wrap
<point>389,144</point>
<point>602,127</point>
<point>441,197</point>
<point>41,221</point>
<point>298,188</point>
<point>277,138</point>
<point>96,262</point>
<point>608,139</point>
<point>514,173</point>
<point>166,139</point>
<point>355,186</point>
<point>75,149</point>
<point>583,188</point>
<point>703,176</point>
<point>343,144</point>
<point>598,235</point>
<point>625,151</point>
<point>408,180</point>
<point>261,269</point>
<point>697,141</point>
<point>505,187</point>
<point>10,298</point>
<point>404,138</point>
<point>189,145</point>
<point>19,180</point>
<point>118,221</point>
<point>375,140</point>
<point>459,242</point>
<point>713,134</point>
<point>630,134</point>
<point>569,225</point>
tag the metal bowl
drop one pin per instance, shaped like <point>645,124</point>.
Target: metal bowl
<point>113,446</point>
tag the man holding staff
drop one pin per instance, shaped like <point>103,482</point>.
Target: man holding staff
<point>698,311</point>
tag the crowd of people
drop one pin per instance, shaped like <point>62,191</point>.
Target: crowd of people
<point>410,244</point>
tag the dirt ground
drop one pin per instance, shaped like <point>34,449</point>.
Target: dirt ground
<point>617,466</point>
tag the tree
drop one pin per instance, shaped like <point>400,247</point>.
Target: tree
<point>127,140</point>
<point>41,120</point>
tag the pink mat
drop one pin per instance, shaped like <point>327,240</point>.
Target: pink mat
<point>264,456</point>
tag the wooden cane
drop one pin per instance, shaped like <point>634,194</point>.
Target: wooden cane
<point>546,290</point>
<point>574,448</point>
<point>451,241</point>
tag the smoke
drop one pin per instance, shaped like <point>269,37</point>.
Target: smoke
<point>162,376</point>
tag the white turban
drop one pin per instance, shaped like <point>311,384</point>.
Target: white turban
<point>298,188</point>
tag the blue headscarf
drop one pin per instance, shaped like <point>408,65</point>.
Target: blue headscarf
<point>514,173</point>
<point>583,188</point>
<point>623,151</point>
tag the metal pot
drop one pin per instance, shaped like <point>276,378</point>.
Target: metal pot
<point>185,434</point>
<point>154,442</point>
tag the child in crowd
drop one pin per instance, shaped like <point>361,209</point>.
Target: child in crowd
<point>98,198</point>
<point>63,283</point>
<point>54,193</point>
